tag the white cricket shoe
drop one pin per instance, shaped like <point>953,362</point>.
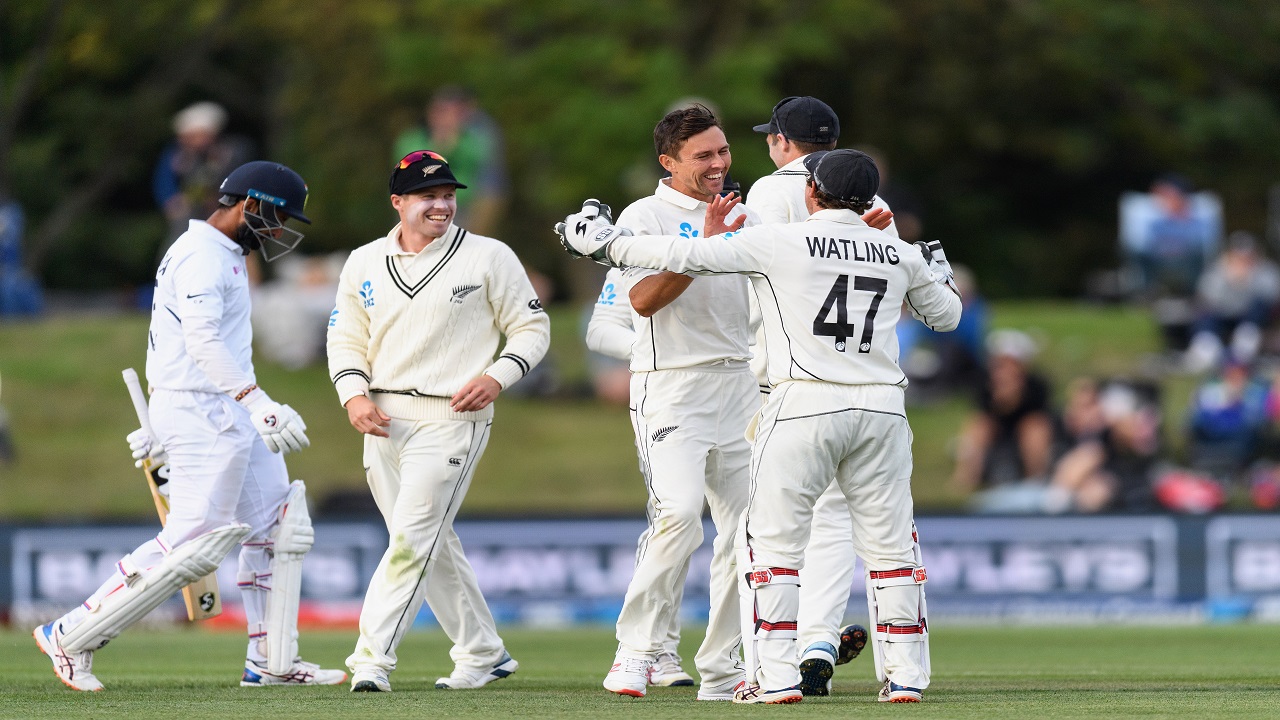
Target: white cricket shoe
<point>666,672</point>
<point>302,673</point>
<point>464,679</point>
<point>370,681</point>
<point>892,692</point>
<point>722,692</point>
<point>75,670</point>
<point>629,674</point>
<point>752,694</point>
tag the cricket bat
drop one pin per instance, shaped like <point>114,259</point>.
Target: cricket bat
<point>202,597</point>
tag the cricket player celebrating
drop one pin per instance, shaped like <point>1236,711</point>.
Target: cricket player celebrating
<point>797,127</point>
<point>830,292</point>
<point>692,395</point>
<point>224,438</point>
<point>411,353</point>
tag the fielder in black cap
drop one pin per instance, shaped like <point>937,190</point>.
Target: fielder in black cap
<point>803,119</point>
<point>846,179</point>
<point>424,194</point>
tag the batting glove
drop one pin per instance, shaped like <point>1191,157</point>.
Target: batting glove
<point>144,447</point>
<point>589,232</point>
<point>280,426</point>
<point>938,265</point>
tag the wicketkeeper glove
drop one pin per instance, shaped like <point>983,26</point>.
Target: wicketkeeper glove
<point>938,265</point>
<point>280,426</point>
<point>144,447</point>
<point>589,232</point>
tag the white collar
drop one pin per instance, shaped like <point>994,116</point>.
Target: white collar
<point>848,217</point>
<point>200,227</point>
<point>675,197</point>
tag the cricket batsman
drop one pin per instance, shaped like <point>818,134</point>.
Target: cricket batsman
<point>225,439</point>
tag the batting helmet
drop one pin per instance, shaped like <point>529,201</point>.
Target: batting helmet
<point>270,183</point>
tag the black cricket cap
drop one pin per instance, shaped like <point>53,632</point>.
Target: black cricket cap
<point>421,169</point>
<point>806,119</point>
<point>848,175</point>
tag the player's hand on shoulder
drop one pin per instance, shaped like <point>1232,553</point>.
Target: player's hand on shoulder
<point>144,448</point>
<point>588,232</point>
<point>477,394</point>
<point>713,223</point>
<point>367,417</point>
<point>878,218</point>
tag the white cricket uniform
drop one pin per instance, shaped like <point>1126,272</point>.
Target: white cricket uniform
<point>829,560</point>
<point>692,395</point>
<point>198,355</point>
<point>830,292</point>
<point>410,330</point>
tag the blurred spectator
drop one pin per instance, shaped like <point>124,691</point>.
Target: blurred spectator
<point>1236,300</point>
<point>1227,421</point>
<point>20,294</point>
<point>1114,469</point>
<point>454,126</point>
<point>943,363</point>
<point>291,312</point>
<point>1082,417</point>
<point>1167,237</point>
<point>1174,233</point>
<point>191,167</point>
<point>1009,440</point>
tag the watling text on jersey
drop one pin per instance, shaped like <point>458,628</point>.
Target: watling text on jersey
<point>840,249</point>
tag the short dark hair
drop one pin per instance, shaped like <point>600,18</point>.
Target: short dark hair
<point>831,202</point>
<point>809,148</point>
<point>680,125</point>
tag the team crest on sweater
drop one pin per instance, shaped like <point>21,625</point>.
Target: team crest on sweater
<point>460,292</point>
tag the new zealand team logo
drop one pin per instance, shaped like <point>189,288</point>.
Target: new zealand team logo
<point>366,294</point>
<point>608,295</point>
<point>687,231</point>
<point>461,292</point>
<point>333,318</point>
<point>661,433</point>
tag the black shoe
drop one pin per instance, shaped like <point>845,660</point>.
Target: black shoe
<point>853,638</point>
<point>815,673</point>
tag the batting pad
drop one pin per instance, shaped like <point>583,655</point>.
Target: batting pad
<point>900,630</point>
<point>292,539</point>
<point>143,590</point>
<point>777,604</point>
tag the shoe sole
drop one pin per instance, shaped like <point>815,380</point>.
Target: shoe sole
<point>853,639</point>
<point>35,635</point>
<point>790,700</point>
<point>367,686</point>
<point>682,682</point>
<point>627,692</point>
<point>904,700</point>
<point>814,674</point>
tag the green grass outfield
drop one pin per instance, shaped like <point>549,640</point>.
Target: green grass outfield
<point>979,672</point>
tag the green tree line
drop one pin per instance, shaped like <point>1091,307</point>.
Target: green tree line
<point>1017,122</point>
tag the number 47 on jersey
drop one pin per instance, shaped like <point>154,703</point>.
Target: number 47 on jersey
<point>838,299</point>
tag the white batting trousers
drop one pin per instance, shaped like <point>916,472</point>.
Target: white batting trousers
<point>690,435</point>
<point>419,477</point>
<point>220,471</point>
<point>829,565</point>
<point>809,433</point>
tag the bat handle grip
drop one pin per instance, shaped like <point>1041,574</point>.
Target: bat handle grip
<point>139,400</point>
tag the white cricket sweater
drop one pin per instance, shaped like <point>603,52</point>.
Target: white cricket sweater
<point>410,330</point>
